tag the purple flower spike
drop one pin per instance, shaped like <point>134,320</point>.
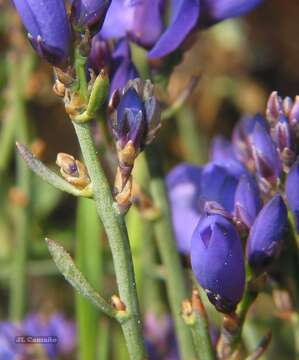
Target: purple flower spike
<point>217,184</point>
<point>266,234</point>
<point>184,17</point>
<point>183,185</point>
<point>265,155</point>
<point>48,28</point>
<point>247,200</point>
<point>217,262</point>
<point>292,191</point>
<point>224,9</point>
<point>88,13</point>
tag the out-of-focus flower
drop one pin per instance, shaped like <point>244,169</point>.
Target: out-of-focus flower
<point>223,154</point>
<point>274,108</point>
<point>217,10</point>
<point>159,337</point>
<point>48,28</point>
<point>88,13</point>
<point>217,261</point>
<point>265,155</point>
<point>218,184</point>
<point>266,234</point>
<point>292,191</point>
<point>294,117</point>
<point>247,200</point>
<point>100,55</point>
<point>183,185</point>
<point>56,325</point>
<point>142,20</point>
<point>123,67</point>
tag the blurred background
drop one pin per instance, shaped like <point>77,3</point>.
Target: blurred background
<point>240,61</point>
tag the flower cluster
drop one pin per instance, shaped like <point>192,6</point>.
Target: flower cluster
<point>56,326</point>
<point>238,200</point>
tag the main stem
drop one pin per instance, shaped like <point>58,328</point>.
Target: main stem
<point>118,240</point>
<point>175,281</point>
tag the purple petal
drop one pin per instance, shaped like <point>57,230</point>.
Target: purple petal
<point>184,18</point>
<point>46,22</point>
<point>247,200</point>
<point>225,9</point>
<point>266,234</point>
<point>292,192</point>
<point>183,184</point>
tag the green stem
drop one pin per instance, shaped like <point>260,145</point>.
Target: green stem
<point>194,143</point>
<point>175,281</point>
<point>201,338</point>
<point>23,213</point>
<point>89,261</point>
<point>115,227</point>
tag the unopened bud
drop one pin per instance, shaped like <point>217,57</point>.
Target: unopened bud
<point>74,171</point>
<point>117,303</point>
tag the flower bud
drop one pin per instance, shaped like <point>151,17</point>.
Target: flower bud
<point>89,13</point>
<point>292,192</point>
<point>183,184</point>
<point>294,117</point>
<point>217,262</point>
<point>241,138</point>
<point>74,171</point>
<point>266,235</point>
<point>274,108</point>
<point>99,56</point>
<point>48,28</point>
<point>265,155</point>
<point>247,200</point>
<point>282,136</point>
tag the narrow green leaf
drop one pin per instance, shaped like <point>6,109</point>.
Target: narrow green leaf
<point>72,274</point>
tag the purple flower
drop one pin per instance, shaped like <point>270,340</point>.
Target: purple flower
<point>100,55</point>
<point>183,185</point>
<point>142,21</point>
<point>247,200</point>
<point>124,69</point>
<point>274,108</point>
<point>223,154</point>
<point>48,28</point>
<point>217,261</point>
<point>88,13</point>
<point>265,155</point>
<point>292,191</point>
<point>294,117</point>
<point>241,137</point>
<point>218,10</point>
<point>183,19</point>
<point>218,184</point>
<point>266,234</point>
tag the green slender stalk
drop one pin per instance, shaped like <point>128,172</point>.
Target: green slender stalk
<point>114,225</point>
<point>175,281</point>
<point>193,142</point>
<point>89,261</point>
<point>18,281</point>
